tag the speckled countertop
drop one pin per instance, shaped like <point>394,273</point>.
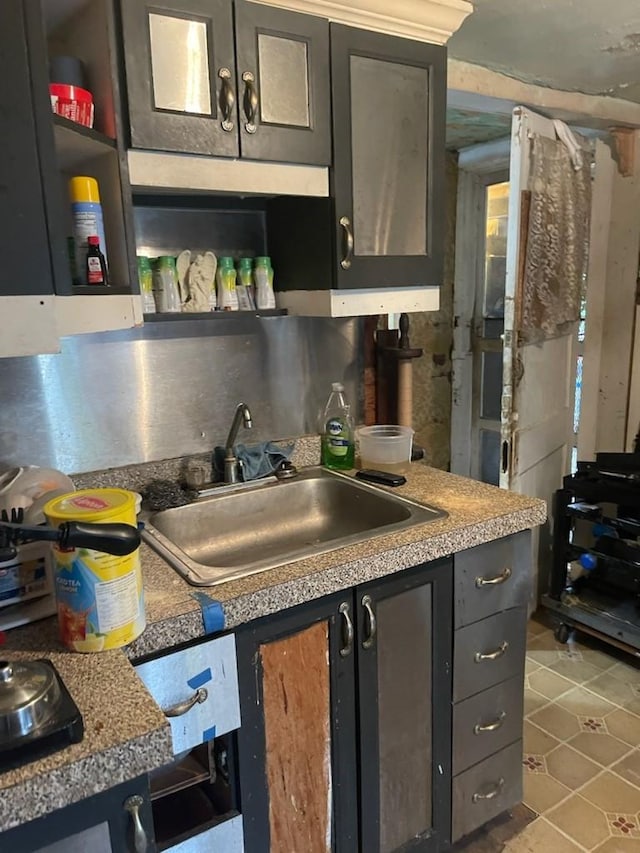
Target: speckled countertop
<point>125,732</point>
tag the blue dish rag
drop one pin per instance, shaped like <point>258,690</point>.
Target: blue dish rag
<point>258,460</point>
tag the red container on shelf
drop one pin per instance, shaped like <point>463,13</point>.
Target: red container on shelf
<point>72,102</point>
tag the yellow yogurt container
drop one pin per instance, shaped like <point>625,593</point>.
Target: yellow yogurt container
<point>99,597</point>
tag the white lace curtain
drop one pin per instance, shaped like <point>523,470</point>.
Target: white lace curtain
<point>557,239</point>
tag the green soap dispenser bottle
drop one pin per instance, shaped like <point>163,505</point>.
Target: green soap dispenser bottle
<point>338,450</point>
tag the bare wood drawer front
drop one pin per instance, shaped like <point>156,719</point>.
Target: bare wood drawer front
<point>492,577</point>
<point>486,790</point>
<point>488,652</point>
<point>487,722</point>
<point>197,688</point>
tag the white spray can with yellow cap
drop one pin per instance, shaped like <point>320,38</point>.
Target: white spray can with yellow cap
<point>86,213</point>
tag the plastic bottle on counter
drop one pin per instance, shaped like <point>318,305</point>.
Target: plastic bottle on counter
<point>145,279</point>
<point>96,265</point>
<point>244,285</point>
<point>165,286</point>
<point>86,214</point>
<point>338,449</point>
<point>226,276</point>
<point>263,277</point>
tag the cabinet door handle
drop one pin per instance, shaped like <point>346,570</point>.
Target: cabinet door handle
<point>501,578</point>
<point>345,222</point>
<point>490,795</point>
<point>133,806</point>
<point>181,708</point>
<point>250,101</point>
<point>371,626</point>
<point>481,728</point>
<point>227,99</point>
<point>347,625</point>
<point>502,648</point>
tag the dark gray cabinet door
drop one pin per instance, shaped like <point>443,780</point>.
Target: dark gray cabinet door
<point>24,236</point>
<point>388,177</point>
<point>297,743</point>
<point>179,61</point>
<point>404,692</point>
<point>103,823</point>
<point>282,61</point>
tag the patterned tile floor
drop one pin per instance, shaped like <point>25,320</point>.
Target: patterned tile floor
<point>581,747</point>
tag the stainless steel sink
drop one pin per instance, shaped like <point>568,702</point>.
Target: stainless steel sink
<point>239,532</point>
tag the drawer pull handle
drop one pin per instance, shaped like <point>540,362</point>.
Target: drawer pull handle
<point>133,806</point>
<point>501,578</point>
<point>370,619</point>
<point>490,727</point>
<point>490,795</point>
<point>345,223</point>
<point>250,101</point>
<point>347,625</point>
<point>502,648</point>
<point>227,99</point>
<point>181,708</point>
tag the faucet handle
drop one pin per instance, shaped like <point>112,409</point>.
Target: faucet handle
<point>286,470</point>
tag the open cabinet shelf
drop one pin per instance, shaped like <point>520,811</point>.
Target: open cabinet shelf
<point>75,144</point>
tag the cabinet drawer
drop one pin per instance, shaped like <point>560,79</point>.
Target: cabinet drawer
<point>488,652</point>
<point>199,685</point>
<point>486,790</point>
<point>224,838</point>
<point>492,577</point>
<point>487,722</point>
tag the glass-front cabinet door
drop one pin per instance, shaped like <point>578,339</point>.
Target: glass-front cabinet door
<point>180,67</point>
<point>388,180</point>
<point>282,61</point>
<point>404,689</point>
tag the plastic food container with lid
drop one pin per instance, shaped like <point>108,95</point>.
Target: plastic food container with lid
<point>386,447</point>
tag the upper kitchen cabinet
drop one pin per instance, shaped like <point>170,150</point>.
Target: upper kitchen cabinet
<point>41,151</point>
<point>200,81</point>
<point>382,226</point>
<point>388,128</point>
<point>29,266</point>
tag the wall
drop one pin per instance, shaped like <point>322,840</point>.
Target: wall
<point>170,389</point>
<point>434,333</point>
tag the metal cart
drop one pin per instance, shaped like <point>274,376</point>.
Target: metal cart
<point>595,575</point>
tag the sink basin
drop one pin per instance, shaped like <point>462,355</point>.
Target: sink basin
<point>239,532</point>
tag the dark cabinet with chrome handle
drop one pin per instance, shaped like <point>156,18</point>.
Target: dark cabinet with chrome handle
<point>356,685</point>
<point>117,820</point>
<point>186,61</point>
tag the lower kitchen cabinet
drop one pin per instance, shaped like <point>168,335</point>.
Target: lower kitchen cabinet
<point>115,821</point>
<point>346,719</point>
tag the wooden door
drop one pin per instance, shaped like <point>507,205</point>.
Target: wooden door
<point>404,695</point>
<point>539,375</point>
<point>282,61</point>
<point>297,754</point>
<point>388,177</point>
<point>181,82</point>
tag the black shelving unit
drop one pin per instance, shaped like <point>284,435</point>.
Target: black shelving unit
<point>597,512</point>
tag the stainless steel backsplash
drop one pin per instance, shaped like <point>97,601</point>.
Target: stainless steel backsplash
<point>170,389</point>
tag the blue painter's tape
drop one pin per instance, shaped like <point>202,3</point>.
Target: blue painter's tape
<point>208,734</point>
<point>212,612</point>
<point>200,679</point>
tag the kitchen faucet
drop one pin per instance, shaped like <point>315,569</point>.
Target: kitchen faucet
<point>242,413</point>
